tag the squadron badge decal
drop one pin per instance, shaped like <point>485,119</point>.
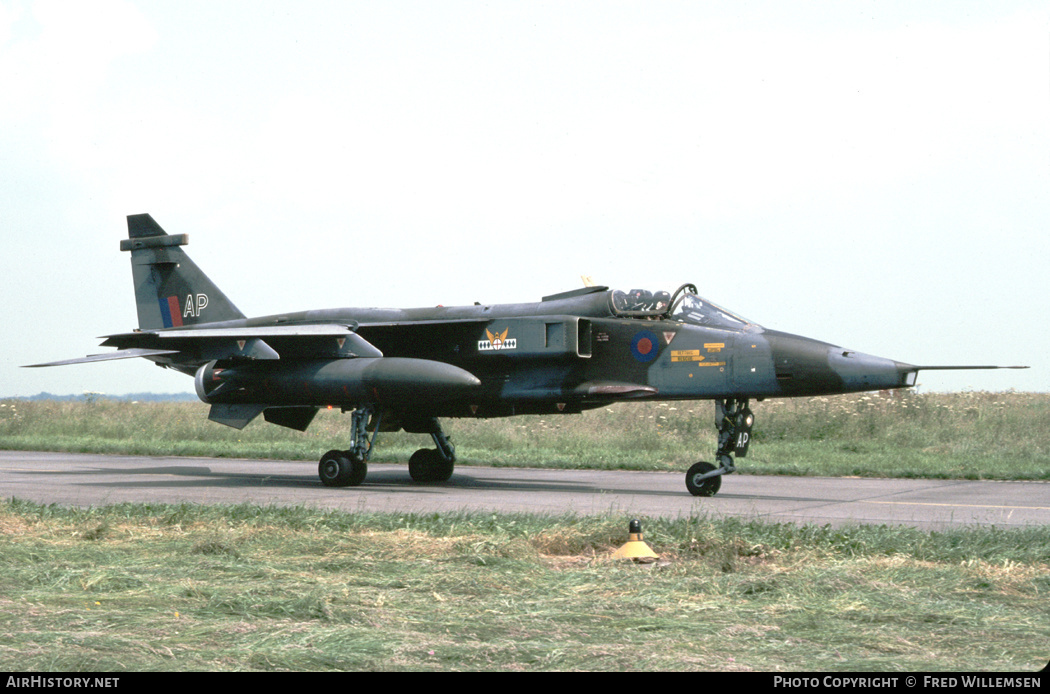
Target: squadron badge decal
<point>497,341</point>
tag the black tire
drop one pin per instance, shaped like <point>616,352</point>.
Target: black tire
<point>417,466</point>
<point>340,469</point>
<point>427,465</point>
<point>441,469</point>
<point>706,487</point>
<point>358,470</point>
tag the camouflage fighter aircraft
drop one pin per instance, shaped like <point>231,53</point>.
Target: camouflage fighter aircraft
<point>395,369</point>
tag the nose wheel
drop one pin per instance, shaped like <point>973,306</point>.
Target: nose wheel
<point>733,419</point>
<point>700,482</point>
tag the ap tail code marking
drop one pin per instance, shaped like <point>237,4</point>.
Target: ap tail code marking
<point>172,311</point>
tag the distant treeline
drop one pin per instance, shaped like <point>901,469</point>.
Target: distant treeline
<point>91,397</point>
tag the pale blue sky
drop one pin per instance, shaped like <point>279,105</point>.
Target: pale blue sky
<point>873,174</point>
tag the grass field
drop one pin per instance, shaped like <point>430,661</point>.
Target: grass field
<point>974,435</point>
<point>140,587</point>
<point>136,588</point>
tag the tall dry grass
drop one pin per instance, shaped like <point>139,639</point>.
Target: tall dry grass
<point>954,435</point>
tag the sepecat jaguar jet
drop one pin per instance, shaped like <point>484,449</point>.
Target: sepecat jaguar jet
<point>395,369</point>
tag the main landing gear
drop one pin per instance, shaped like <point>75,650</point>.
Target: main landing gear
<point>733,419</point>
<point>350,467</point>
<point>433,464</point>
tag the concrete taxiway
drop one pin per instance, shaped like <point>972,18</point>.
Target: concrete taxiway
<point>98,480</point>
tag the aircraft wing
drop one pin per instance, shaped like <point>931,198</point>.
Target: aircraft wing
<point>308,330</point>
<point>267,342</point>
<point>206,344</point>
<point>119,354</point>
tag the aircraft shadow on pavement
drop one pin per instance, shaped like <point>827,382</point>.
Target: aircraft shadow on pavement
<point>378,480</point>
<point>395,480</point>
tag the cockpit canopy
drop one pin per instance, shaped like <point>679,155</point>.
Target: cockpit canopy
<point>641,300</point>
<point>684,306</point>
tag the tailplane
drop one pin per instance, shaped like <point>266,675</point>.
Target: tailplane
<point>170,290</point>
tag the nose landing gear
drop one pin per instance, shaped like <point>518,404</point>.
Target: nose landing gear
<point>733,419</point>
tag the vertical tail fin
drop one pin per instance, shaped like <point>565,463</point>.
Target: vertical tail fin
<point>170,290</point>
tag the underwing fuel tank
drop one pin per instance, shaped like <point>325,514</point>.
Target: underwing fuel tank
<point>334,382</point>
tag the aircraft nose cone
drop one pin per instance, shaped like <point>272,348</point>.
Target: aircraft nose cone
<point>802,366</point>
<point>861,372</point>
<point>810,367</point>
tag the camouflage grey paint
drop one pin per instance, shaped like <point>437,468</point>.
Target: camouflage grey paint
<point>170,290</point>
<point>406,367</point>
<point>568,352</point>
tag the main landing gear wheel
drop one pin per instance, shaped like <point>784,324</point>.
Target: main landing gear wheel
<point>432,464</point>
<point>702,487</point>
<point>342,469</point>
<point>350,467</point>
<point>428,465</point>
